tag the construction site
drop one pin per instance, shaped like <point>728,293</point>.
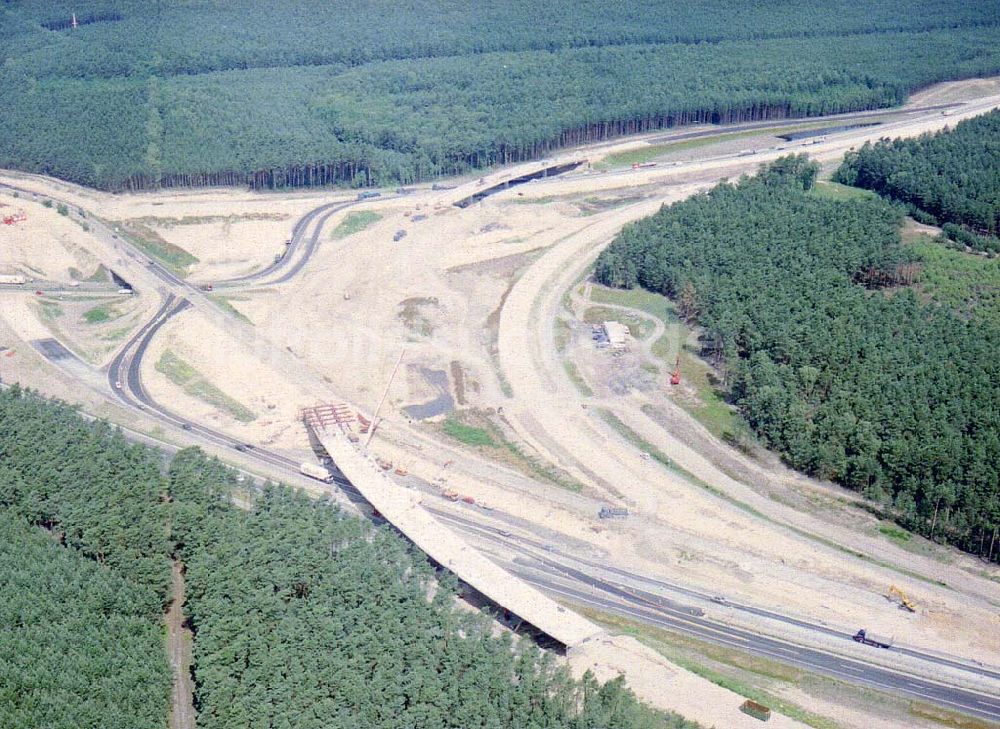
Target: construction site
<point>557,445</point>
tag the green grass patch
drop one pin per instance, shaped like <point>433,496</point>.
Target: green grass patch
<point>171,222</point>
<point>895,533</point>
<point>836,191</point>
<point>115,335</point>
<point>354,222</point>
<point>593,205</point>
<point>960,281</point>
<point>710,407</point>
<point>411,313</point>
<point>223,302</point>
<point>563,333</point>
<point>577,379</point>
<point>156,246</point>
<point>100,314</point>
<point>664,347</point>
<point>100,275</point>
<point>190,380</point>
<point>51,310</point>
<point>177,370</point>
<point>481,430</point>
<point>652,303</point>
<point>946,718</point>
<point>468,434</point>
<point>537,200</point>
<point>644,445</point>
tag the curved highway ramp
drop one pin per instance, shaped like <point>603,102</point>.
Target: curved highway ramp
<point>401,507</point>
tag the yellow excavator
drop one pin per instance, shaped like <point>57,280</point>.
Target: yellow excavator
<point>897,595</point>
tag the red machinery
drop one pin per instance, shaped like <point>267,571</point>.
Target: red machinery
<point>675,377</point>
<point>18,217</point>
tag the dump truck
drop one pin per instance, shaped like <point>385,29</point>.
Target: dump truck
<point>609,512</point>
<point>317,472</point>
<point>863,636</point>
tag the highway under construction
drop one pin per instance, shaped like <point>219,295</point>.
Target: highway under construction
<point>532,568</point>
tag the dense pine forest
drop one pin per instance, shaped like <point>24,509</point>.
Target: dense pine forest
<point>302,616</point>
<point>147,93</point>
<point>80,645</point>
<point>806,307</point>
<point>951,178</point>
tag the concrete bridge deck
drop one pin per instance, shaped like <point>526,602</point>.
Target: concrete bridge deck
<point>401,507</point>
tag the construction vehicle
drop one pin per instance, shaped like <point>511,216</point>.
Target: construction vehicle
<point>675,377</point>
<point>863,636</point>
<point>401,471</point>
<point>609,512</point>
<point>450,495</point>
<point>18,217</point>
<point>399,235</point>
<point>468,500</point>
<point>368,195</point>
<point>897,595</point>
<point>383,464</point>
<point>757,711</point>
<point>12,279</point>
<point>317,472</point>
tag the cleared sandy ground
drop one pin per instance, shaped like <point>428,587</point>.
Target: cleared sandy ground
<point>45,246</point>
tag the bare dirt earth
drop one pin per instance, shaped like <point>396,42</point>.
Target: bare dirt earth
<point>47,245</point>
<point>179,636</point>
<point>471,297</point>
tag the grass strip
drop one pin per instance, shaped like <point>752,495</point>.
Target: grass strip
<point>354,222</point>
<point>191,381</point>
<point>224,302</point>
<point>156,246</point>
<point>477,429</point>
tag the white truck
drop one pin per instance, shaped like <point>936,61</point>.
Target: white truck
<point>317,472</point>
<point>12,279</point>
<point>878,641</point>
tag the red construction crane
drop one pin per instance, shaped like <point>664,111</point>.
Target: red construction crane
<point>675,378</point>
<point>18,217</point>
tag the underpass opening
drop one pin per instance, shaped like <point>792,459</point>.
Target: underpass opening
<point>506,184</point>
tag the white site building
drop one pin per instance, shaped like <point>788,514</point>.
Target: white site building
<point>617,334</point>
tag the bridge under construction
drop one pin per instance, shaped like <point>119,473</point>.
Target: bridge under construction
<point>402,508</point>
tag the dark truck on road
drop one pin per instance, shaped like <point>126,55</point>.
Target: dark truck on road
<point>863,636</point>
